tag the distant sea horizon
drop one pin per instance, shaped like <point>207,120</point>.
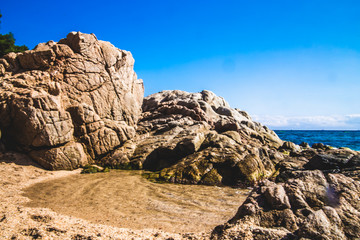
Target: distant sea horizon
<point>334,138</point>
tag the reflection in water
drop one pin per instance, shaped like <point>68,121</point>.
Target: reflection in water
<point>125,199</point>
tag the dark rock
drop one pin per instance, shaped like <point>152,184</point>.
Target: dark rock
<point>353,162</point>
<point>304,145</point>
<point>327,162</point>
<point>318,146</point>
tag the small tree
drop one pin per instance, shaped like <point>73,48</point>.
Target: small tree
<point>7,44</point>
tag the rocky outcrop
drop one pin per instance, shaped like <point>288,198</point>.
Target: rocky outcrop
<point>315,195</point>
<point>326,159</point>
<point>307,205</point>
<point>197,138</point>
<point>79,101</point>
<point>69,103</point>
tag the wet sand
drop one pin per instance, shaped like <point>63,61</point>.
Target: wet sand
<point>18,172</point>
<point>127,200</point>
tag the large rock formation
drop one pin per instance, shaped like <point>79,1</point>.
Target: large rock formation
<point>314,196</point>
<point>70,102</point>
<point>197,138</point>
<point>77,101</point>
<point>307,205</point>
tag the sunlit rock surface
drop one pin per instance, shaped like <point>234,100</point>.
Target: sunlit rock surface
<point>198,138</point>
<point>69,103</point>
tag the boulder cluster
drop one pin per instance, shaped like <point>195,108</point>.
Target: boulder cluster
<point>78,102</point>
<point>197,138</point>
<point>300,204</point>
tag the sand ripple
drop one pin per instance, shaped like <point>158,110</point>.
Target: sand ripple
<point>125,199</point>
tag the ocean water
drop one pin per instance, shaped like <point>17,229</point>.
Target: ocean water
<point>338,138</point>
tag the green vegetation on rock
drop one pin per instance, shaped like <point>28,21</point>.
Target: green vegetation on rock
<point>7,44</point>
<point>94,169</point>
<point>153,177</point>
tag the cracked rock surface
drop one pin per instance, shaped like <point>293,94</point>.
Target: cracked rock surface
<point>309,204</point>
<point>198,138</point>
<point>69,103</point>
<point>79,101</point>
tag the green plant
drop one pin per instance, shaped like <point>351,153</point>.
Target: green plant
<point>7,44</point>
<point>94,169</point>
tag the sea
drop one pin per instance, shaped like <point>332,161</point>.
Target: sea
<point>334,138</point>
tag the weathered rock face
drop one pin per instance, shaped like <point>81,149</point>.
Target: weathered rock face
<point>307,205</point>
<point>326,159</point>
<point>198,138</point>
<point>70,102</point>
<point>315,195</point>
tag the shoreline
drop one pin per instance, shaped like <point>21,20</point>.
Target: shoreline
<point>18,172</point>
<point>125,199</point>
<point>333,138</point>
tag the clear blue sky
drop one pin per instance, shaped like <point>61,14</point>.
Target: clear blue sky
<point>290,64</point>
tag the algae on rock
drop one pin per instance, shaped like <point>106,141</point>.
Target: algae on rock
<point>196,138</point>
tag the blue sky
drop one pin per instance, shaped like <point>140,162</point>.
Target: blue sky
<point>290,64</point>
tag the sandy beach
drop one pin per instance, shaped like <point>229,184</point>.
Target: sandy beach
<point>19,221</point>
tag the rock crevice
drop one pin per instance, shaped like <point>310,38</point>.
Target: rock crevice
<point>42,90</point>
<point>197,138</point>
<point>79,101</point>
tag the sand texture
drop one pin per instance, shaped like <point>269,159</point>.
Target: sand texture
<point>21,218</point>
<point>126,199</point>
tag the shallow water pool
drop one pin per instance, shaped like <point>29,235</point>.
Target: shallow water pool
<point>126,199</point>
